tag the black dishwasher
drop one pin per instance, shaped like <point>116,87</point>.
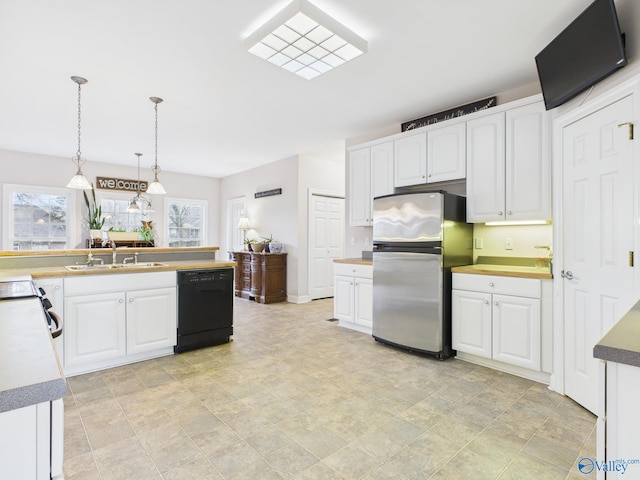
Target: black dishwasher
<point>205,308</point>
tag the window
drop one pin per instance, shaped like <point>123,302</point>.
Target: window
<point>114,208</point>
<point>185,221</point>
<point>37,218</point>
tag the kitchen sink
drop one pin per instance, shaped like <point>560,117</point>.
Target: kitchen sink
<point>114,266</point>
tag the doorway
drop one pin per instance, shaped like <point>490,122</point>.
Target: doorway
<point>326,241</point>
<point>597,233</point>
<point>236,208</point>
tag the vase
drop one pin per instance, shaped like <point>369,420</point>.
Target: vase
<point>95,234</point>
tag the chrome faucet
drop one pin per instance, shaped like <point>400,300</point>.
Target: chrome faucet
<point>113,247</point>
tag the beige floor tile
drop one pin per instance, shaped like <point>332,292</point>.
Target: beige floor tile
<point>294,396</point>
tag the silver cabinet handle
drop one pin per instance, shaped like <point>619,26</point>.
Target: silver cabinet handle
<point>500,213</point>
<point>495,303</point>
<point>120,301</point>
<point>509,212</point>
<point>491,284</point>
<point>131,300</point>
<point>568,274</point>
<point>486,302</point>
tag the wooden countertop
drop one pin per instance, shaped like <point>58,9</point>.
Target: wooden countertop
<point>44,272</point>
<point>31,372</point>
<point>622,343</point>
<point>504,270</point>
<point>83,251</point>
<point>353,261</point>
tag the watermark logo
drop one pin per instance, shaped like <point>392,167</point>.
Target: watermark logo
<point>587,465</point>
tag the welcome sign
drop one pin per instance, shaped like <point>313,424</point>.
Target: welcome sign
<point>107,183</point>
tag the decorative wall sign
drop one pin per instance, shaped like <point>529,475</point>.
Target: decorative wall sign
<point>106,183</point>
<point>268,193</point>
<point>449,114</point>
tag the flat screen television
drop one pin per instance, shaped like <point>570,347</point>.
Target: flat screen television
<point>588,50</point>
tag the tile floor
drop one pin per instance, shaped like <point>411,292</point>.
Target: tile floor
<point>295,396</point>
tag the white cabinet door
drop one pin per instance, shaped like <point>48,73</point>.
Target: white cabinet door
<point>528,163</point>
<point>360,188</point>
<point>486,168</point>
<point>151,320</point>
<point>446,153</point>
<point>381,170</point>
<point>516,330</point>
<point>410,160</point>
<point>343,298</point>
<point>94,328</point>
<point>471,322</point>
<point>363,302</point>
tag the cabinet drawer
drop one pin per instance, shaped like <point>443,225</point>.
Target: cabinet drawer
<point>521,287</point>
<point>354,270</point>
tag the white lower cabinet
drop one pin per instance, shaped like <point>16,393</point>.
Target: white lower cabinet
<point>110,320</point>
<point>498,318</point>
<point>29,447</point>
<point>353,296</point>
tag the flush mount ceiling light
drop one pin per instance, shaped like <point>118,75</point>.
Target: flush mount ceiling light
<point>79,181</point>
<point>156,187</point>
<point>306,41</point>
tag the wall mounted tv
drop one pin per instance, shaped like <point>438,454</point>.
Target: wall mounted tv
<point>588,50</point>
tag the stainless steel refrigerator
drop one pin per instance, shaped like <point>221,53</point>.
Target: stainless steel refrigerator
<point>417,238</point>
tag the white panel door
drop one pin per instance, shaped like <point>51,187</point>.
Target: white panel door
<point>597,231</point>
<point>326,243</point>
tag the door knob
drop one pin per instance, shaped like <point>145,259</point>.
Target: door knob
<point>568,274</point>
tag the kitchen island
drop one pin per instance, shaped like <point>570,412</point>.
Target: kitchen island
<point>618,424</point>
<point>32,386</point>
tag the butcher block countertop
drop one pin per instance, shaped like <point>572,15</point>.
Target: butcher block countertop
<point>353,261</point>
<point>44,272</point>
<point>505,271</point>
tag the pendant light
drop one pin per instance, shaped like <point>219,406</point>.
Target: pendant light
<point>79,181</point>
<point>139,203</point>
<point>156,187</point>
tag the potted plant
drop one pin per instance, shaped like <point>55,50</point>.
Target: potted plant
<point>249,243</point>
<point>267,242</point>
<point>95,219</point>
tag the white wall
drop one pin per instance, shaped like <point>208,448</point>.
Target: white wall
<point>43,170</point>
<point>283,216</point>
<point>525,239</point>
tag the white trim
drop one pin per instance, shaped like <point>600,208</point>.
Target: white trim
<point>7,215</point>
<point>629,87</point>
<point>230,227</point>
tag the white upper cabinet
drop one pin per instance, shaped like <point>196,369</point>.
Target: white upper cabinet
<point>381,169</point>
<point>360,187</point>
<point>446,153</point>
<point>485,168</point>
<point>528,163</point>
<point>370,176</point>
<point>410,160</point>
<point>509,165</point>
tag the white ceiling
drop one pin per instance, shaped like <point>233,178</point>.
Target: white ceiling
<point>225,110</point>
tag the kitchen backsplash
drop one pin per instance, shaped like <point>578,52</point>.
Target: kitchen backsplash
<point>511,241</point>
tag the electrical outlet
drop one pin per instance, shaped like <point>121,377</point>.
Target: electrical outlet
<point>508,243</point>
<point>366,240</point>
<point>353,240</point>
<point>479,243</point>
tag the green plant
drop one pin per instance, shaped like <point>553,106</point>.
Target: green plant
<point>94,211</point>
<point>268,239</point>
<point>249,241</point>
<point>116,229</point>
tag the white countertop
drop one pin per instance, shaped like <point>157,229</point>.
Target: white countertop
<point>30,371</point>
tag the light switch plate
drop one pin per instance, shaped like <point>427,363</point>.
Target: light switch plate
<point>479,243</point>
<point>508,243</point>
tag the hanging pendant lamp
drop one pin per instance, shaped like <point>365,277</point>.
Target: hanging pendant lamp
<point>156,187</point>
<point>79,181</point>
<point>138,198</point>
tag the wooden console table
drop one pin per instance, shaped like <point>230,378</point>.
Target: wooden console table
<point>261,276</point>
